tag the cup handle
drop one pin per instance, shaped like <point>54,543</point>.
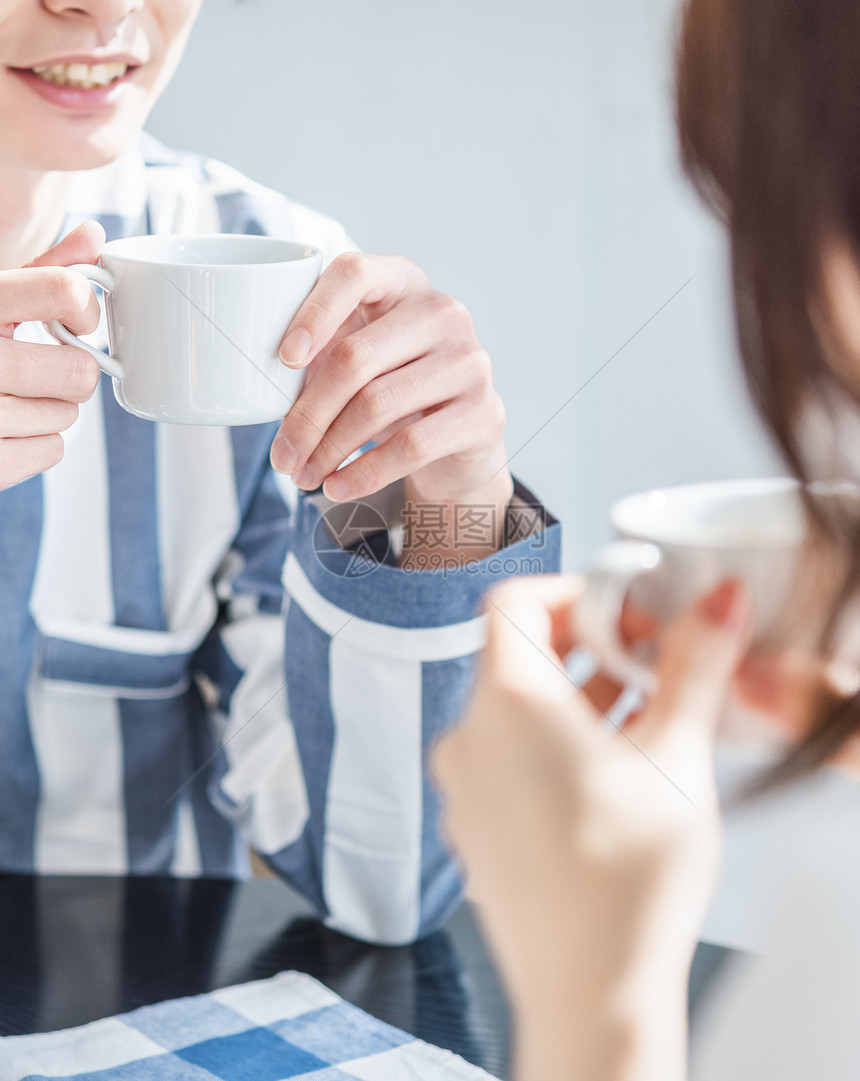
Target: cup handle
<point>106,280</point>
<point>598,614</point>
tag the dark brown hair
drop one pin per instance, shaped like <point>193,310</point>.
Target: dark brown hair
<point>768,107</point>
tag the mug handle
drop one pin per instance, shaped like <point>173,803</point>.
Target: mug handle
<point>598,614</point>
<point>106,280</point>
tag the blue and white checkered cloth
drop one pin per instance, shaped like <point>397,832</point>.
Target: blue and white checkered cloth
<point>286,1027</point>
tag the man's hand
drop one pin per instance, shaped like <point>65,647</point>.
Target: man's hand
<point>390,359</point>
<point>41,386</point>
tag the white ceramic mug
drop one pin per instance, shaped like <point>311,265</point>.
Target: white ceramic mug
<point>194,324</point>
<point>678,543</point>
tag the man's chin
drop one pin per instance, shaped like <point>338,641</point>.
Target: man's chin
<point>79,155</point>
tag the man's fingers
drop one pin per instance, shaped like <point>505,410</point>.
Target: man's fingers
<point>82,245</point>
<point>35,416</point>
<point>380,408</point>
<point>47,371</point>
<point>348,375</point>
<point>442,433</point>
<point>50,292</point>
<point>22,458</point>
<point>351,280</point>
<point>699,656</point>
<point>41,386</point>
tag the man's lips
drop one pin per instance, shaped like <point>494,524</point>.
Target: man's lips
<point>90,59</point>
<point>78,98</point>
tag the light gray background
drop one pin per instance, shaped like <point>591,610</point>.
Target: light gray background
<point>524,156</point>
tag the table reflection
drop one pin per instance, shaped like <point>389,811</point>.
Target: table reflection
<point>76,949</point>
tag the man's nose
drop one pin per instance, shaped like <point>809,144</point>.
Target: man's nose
<point>101,11</point>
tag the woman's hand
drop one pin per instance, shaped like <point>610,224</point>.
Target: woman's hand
<point>591,854</point>
<point>392,360</point>
<point>41,386</point>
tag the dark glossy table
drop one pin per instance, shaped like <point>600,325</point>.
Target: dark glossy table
<point>76,949</point>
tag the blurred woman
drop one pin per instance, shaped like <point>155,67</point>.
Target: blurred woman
<point>593,858</point>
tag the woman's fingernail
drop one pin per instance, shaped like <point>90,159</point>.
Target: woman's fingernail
<point>284,455</point>
<point>336,488</point>
<point>726,605</point>
<point>295,348</point>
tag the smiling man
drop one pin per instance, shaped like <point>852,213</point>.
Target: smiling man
<point>187,664</point>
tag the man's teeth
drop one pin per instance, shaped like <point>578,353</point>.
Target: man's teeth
<point>83,76</point>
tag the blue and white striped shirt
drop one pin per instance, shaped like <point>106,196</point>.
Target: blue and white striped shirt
<point>181,674</point>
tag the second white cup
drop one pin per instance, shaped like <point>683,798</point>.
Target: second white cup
<point>677,543</point>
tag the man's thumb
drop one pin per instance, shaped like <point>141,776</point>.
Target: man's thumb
<point>81,245</point>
